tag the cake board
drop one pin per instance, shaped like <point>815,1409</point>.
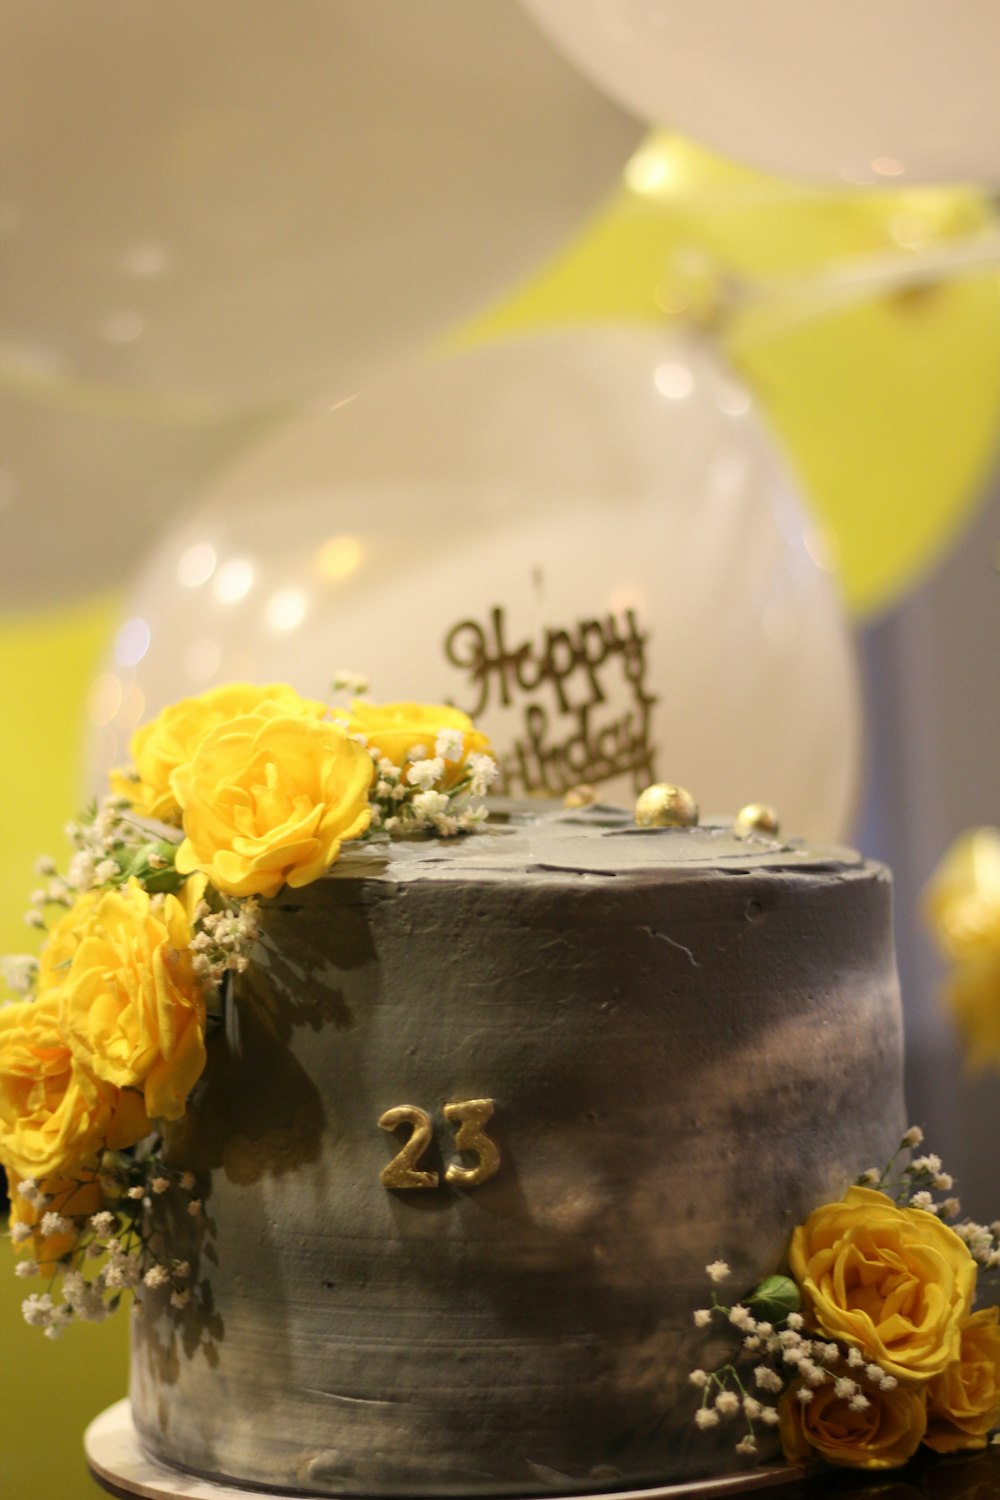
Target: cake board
<point>121,1466</point>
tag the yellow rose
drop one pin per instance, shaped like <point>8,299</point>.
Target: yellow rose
<point>896,1282</point>
<point>54,1115</point>
<point>882,1436</point>
<point>962,903</point>
<point>267,801</point>
<point>131,1006</point>
<point>74,1198</point>
<point>972,994</point>
<point>397,728</point>
<point>169,741</point>
<point>962,900</point>
<point>963,1404</point>
<point>62,942</point>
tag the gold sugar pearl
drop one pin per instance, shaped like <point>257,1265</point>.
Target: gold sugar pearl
<point>665,806</point>
<point>580,796</point>
<point>756,817</point>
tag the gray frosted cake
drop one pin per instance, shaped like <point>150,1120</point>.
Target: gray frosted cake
<point>619,1053</point>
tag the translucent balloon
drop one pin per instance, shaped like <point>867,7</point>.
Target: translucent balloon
<point>212,211</point>
<point>888,406</point>
<point>585,539</point>
<point>901,90</point>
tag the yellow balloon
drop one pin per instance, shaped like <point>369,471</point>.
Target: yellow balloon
<point>887,404</point>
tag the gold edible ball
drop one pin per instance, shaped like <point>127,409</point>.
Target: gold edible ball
<point>756,817</point>
<point>665,806</point>
<point>580,796</point>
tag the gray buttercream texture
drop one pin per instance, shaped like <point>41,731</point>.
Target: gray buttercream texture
<point>690,1038</point>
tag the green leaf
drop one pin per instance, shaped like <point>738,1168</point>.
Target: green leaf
<point>774,1299</point>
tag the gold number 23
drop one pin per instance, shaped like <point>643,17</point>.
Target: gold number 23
<point>470,1116</point>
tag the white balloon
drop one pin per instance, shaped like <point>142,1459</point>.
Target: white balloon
<point>896,90</point>
<point>564,481</point>
<point>208,210</point>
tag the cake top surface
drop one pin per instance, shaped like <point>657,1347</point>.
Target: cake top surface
<point>543,837</point>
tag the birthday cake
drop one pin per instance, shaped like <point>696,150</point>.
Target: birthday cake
<point>481,1112</point>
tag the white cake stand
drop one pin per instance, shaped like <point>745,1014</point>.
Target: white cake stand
<point>120,1465</point>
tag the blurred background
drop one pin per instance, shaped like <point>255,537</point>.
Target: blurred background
<point>394,337</point>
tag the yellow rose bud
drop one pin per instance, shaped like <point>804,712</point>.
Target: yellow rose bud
<point>963,1404</point>
<point>394,729</point>
<point>267,801</point>
<point>170,741</point>
<point>55,1115</point>
<point>882,1435</point>
<point>895,1282</point>
<point>131,1007</point>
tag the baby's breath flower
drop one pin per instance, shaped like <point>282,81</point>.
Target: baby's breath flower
<point>795,1321</point>
<point>769,1414</point>
<point>698,1377</point>
<point>53,1223</point>
<point>804,1394</point>
<point>430,804</point>
<point>741,1317</point>
<point>747,1444</point>
<point>728,1403</point>
<point>767,1379</point>
<point>752,1407</point>
<point>19,971</point>
<point>26,1268</point>
<point>159,1184</point>
<point>180,1298</point>
<point>156,1276</point>
<point>19,1232</point>
<point>37,1310</point>
<point>194,1207</point>
<point>859,1402</point>
<point>845,1387</point>
<point>706,1416</point>
<point>914,1136</point>
<point>187,1181</point>
<point>449,744</point>
<point>28,1189</point>
<point>425,773</point>
<point>136,1192</point>
<point>702,1317</point>
<point>718,1270</point>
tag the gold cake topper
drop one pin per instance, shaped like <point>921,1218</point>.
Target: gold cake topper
<point>571,734</point>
